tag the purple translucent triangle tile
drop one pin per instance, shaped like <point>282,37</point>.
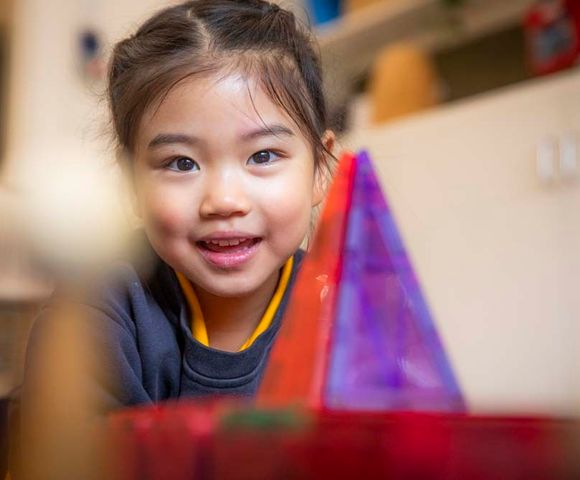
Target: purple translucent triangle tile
<point>385,352</point>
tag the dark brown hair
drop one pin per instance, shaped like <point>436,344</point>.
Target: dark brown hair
<point>255,38</point>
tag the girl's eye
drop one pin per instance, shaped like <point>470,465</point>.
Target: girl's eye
<point>263,157</point>
<point>183,164</point>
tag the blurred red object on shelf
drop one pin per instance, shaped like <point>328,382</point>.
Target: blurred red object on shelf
<point>553,35</point>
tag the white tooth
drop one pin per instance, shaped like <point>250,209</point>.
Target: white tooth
<point>226,243</point>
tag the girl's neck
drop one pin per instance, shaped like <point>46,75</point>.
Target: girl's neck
<point>230,321</point>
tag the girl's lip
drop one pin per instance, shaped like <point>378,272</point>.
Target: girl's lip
<point>233,257</point>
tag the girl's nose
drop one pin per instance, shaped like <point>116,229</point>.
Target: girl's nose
<point>224,196</point>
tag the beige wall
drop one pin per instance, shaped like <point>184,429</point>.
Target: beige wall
<point>51,108</point>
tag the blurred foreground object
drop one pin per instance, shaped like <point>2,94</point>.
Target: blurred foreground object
<point>403,81</point>
<point>71,213</point>
<point>72,223</point>
<point>228,442</point>
<point>22,289</point>
<point>59,436</point>
<point>553,35</point>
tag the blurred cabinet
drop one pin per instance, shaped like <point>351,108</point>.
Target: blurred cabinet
<point>16,319</point>
<point>5,12</point>
<point>495,239</point>
<point>350,44</point>
<point>5,27</point>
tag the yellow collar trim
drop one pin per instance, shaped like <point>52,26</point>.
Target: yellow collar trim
<point>198,327</point>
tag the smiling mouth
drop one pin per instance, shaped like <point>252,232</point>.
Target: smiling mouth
<point>229,253</point>
<point>229,245</point>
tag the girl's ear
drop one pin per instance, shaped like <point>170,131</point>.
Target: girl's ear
<point>321,175</point>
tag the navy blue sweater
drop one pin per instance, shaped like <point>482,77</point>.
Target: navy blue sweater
<point>141,326</point>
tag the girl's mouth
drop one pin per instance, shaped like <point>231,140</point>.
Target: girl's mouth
<point>228,252</point>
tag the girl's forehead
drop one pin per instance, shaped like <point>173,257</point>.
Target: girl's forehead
<point>232,101</point>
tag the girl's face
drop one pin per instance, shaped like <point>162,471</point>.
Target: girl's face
<point>225,184</point>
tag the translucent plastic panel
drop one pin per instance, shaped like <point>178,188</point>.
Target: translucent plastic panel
<point>296,372</point>
<point>385,353</point>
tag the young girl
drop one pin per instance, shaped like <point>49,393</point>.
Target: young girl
<point>219,113</point>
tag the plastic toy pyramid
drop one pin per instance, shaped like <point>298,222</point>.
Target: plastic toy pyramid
<point>358,334</point>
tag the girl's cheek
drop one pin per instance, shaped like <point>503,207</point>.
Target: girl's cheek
<point>166,213</point>
<point>292,191</point>
<point>288,203</point>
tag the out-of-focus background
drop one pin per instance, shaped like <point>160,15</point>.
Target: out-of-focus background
<point>470,109</point>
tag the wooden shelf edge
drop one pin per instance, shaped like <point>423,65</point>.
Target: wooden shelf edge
<point>378,17</point>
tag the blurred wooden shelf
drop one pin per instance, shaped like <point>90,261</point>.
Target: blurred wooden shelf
<point>349,44</point>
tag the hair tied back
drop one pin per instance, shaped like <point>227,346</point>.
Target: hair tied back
<point>273,8</point>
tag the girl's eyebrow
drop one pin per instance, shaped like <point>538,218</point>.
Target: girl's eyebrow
<point>268,130</point>
<point>173,138</point>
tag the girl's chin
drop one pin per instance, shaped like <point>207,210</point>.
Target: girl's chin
<point>231,291</point>
<point>235,284</point>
